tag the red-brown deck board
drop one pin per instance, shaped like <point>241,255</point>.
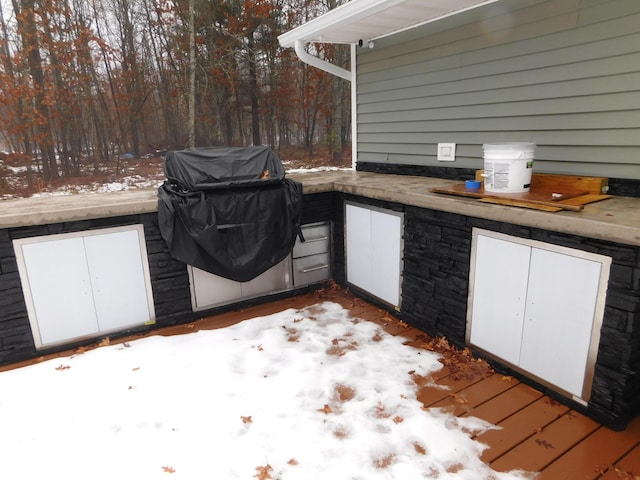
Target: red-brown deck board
<point>535,433</point>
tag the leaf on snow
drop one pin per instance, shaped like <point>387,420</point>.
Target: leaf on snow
<point>246,419</point>
<point>62,367</point>
<point>264,473</point>
<point>293,461</point>
<point>326,409</point>
<point>167,469</point>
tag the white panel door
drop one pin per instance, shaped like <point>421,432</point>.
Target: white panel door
<point>386,260</point>
<point>499,294</point>
<point>58,290</point>
<point>559,318</point>
<point>358,238</point>
<point>118,280</point>
<point>208,289</point>
<point>275,279</point>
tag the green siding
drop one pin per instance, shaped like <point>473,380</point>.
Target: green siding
<point>566,76</point>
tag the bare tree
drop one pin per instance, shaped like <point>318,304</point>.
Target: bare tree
<point>103,77</point>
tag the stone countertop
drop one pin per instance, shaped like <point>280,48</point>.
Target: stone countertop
<point>616,219</point>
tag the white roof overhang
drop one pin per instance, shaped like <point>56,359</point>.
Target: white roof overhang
<point>367,20</point>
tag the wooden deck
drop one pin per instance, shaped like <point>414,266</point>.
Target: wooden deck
<point>537,433</point>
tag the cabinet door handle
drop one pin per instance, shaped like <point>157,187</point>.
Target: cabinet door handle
<point>318,239</point>
<point>313,269</point>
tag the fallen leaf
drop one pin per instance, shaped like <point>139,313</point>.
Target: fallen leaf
<point>384,462</point>
<point>459,399</point>
<point>293,336</point>
<point>398,419</point>
<point>168,469</point>
<point>381,411</point>
<point>135,369</point>
<point>264,473</point>
<point>246,419</point>
<point>343,393</point>
<point>544,443</point>
<point>377,337</point>
<point>293,461</point>
<point>419,448</point>
<point>62,367</point>
<point>104,342</point>
<point>326,409</point>
<point>507,378</point>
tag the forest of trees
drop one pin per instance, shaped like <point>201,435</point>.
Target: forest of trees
<point>89,80</point>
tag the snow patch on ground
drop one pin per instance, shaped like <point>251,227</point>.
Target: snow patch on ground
<point>302,394</point>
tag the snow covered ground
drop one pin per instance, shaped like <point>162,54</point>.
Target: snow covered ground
<point>302,394</point>
<point>150,180</point>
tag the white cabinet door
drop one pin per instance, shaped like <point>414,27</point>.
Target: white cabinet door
<point>538,307</point>
<point>499,293</point>
<point>386,256</point>
<point>559,315</point>
<point>59,289</point>
<point>209,290</point>
<point>374,251</point>
<point>358,240</point>
<point>83,284</point>
<point>275,279</point>
<point>117,277</point>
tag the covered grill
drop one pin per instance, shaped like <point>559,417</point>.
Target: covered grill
<point>229,210</point>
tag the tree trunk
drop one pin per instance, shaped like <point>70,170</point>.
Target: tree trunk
<point>253,90</point>
<point>29,34</point>
<point>192,76</point>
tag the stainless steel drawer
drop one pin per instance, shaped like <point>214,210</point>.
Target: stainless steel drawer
<point>316,237</point>
<point>311,269</point>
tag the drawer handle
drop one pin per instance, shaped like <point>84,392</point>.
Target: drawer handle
<point>319,239</point>
<point>313,269</point>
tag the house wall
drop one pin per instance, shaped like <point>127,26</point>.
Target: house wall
<point>561,73</point>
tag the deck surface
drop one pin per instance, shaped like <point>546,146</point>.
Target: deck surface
<point>536,434</point>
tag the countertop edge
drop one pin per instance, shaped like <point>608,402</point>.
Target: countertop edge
<point>607,220</point>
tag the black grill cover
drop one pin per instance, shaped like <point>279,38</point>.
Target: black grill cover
<point>229,210</point>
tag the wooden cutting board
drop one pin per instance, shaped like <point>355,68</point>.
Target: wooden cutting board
<point>548,192</point>
<point>560,183</point>
<point>539,197</point>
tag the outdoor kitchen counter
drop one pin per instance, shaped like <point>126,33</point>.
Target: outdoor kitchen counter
<point>616,219</point>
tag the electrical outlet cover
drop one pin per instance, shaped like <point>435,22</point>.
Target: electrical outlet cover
<point>446,152</point>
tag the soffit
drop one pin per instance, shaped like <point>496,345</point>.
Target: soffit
<point>370,19</point>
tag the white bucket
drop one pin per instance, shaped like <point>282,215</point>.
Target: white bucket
<point>508,166</point>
